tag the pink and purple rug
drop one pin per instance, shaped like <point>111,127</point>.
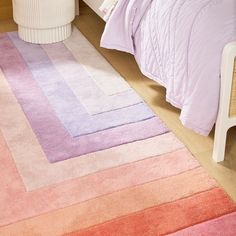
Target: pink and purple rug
<point>81,152</point>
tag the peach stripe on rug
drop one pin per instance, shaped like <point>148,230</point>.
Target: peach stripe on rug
<point>91,186</point>
<point>166,218</point>
<point>31,161</point>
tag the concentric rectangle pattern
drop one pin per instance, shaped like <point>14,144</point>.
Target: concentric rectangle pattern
<point>82,154</point>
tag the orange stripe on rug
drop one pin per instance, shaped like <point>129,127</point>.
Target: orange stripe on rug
<point>166,218</point>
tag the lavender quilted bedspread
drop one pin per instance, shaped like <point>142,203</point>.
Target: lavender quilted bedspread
<point>179,44</point>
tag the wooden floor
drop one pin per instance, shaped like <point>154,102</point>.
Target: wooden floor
<point>225,173</point>
<point>5,9</point>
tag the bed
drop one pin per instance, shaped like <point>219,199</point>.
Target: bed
<point>95,5</point>
<point>186,62</point>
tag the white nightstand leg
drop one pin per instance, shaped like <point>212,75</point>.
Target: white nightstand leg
<point>76,7</point>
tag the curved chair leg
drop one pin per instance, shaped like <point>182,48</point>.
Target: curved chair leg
<point>224,122</point>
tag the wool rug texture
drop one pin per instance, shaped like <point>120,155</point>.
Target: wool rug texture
<point>82,154</point>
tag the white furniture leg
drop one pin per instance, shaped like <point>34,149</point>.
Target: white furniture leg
<point>224,121</point>
<point>76,7</point>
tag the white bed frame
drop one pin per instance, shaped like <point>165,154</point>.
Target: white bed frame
<point>226,119</point>
<point>93,4</point>
<point>227,115</point>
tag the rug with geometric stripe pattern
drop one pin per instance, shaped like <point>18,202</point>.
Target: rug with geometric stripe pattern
<point>82,154</point>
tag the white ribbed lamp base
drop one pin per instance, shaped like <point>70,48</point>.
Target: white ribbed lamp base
<point>44,36</point>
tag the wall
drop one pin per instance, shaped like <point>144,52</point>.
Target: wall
<point>5,9</point>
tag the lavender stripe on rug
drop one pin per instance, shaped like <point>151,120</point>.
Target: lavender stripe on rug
<point>57,144</point>
<point>83,86</point>
<point>65,104</point>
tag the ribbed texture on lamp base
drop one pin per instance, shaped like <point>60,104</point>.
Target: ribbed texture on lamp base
<point>44,36</point>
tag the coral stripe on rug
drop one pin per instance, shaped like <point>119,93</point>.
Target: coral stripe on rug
<point>166,218</point>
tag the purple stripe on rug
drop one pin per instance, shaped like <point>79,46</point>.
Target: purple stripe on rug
<point>68,108</point>
<point>57,144</point>
<point>90,95</point>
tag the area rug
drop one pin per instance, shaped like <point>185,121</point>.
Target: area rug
<point>82,154</point>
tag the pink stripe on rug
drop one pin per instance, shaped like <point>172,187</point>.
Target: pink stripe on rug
<point>91,186</point>
<point>222,226</point>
